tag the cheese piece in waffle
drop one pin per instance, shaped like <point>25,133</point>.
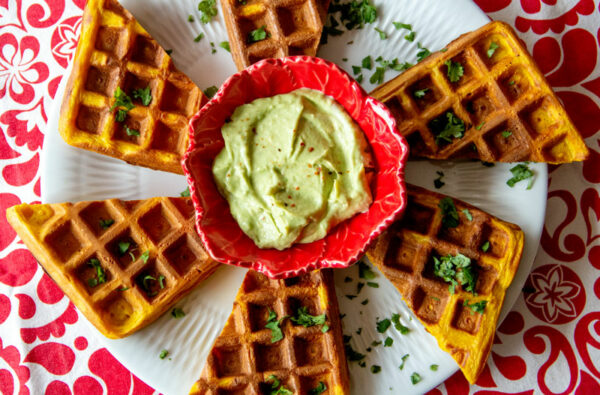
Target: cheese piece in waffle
<point>125,98</point>
<point>251,357</point>
<point>484,98</point>
<point>122,263</point>
<point>261,29</point>
<point>452,264</point>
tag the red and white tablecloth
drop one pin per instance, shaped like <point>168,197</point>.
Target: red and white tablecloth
<point>550,341</point>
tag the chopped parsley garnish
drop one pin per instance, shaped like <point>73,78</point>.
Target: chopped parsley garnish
<point>163,354</point>
<point>185,193</point>
<point>319,389</point>
<point>506,133</point>
<point>388,342</point>
<point>347,279</point>
<point>438,183</point>
<point>100,274</point>
<point>123,289</point>
<point>383,325</point>
<point>410,36</point>
<point>161,281</point>
<point>456,270</point>
<point>123,246</point>
<point>398,325</point>
<point>486,246</point>
<point>131,132</point>
<point>225,45</point>
<point>419,94</point>
<point>478,127</point>
<point>487,164</point>
<point>352,355</point>
<point>325,328</point>
<point>121,115</point>
<point>372,284</point>
<point>350,297</point>
<point>359,287</point>
<point>382,34</point>
<point>145,255</point>
<point>122,100</point>
<point>450,215</point>
<point>454,71</point>
<point>375,343</point>
<point>146,283</point>
<point>213,50</point>
<point>177,312</point>
<point>199,37</point>
<point>404,357</point>
<point>106,223</point>
<point>208,9</point>
<point>375,369</point>
<point>415,378</point>
<point>493,47</point>
<point>476,307</point>
<point>423,52</point>
<point>273,325</point>
<point>364,271</point>
<point>377,77</point>
<point>521,172</point>
<point>349,15</point>
<point>258,34</point>
<point>511,82</point>
<point>169,51</point>
<point>400,25</point>
<point>191,18</point>
<point>367,63</point>
<point>359,79</point>
<point>144,95</point>
<point>467,214</point>
<point>303,318</point>
<point>210,91</point>
<point>433,367</point>
<point>365,302</point>
<point>276,387</point>
<point>454,127</point>
<point>356,70</point>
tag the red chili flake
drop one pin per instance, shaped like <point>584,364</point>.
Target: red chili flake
<point>302,144</point>
<point>293,204</point>
<point>309,165</point>
<point>297,188</point>
<point>289,196</point>
<point>311,149</point>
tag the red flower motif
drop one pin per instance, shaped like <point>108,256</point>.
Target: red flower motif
<point>557,294</point>
<point>18,71</point>
<point>11,356</point>
<point>64,40</point>
<point>23,124</point>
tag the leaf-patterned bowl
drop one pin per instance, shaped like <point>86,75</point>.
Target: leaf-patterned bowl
<point>344,244</point>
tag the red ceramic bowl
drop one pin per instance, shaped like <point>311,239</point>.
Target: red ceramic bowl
<point>223,238</point>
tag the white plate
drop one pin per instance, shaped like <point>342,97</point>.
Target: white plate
<point>70,174</point>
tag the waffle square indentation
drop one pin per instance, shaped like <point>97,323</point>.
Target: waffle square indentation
<point>310,351</point>
<point>90,119</point>
<point>168,137</point>
<point>270,356</point>
<point>64,241</point>
<point>98,218</point>
<point>156,223</point>
<point>146,51</point>
<point>230,361</point>
<point>102,80</point>
<point>112,40</point>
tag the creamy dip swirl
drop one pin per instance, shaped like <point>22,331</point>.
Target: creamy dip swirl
<point>293,167</point>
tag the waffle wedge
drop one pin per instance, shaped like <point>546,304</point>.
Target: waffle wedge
<point>507,109</point>
<point>261,29</point>
<point>463,322</point>
<point>115,51</point>
<point>122,263</point>
<point>245,359</point>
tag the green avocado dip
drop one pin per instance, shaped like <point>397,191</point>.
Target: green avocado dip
<point>293,167</point>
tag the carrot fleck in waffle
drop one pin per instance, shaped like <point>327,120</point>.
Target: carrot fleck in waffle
<point>452,264</point>
<point>261,29</point>
<point>125,98</point>
<point>281,334</point>
<point>122,263</point>
<point>485,98</point>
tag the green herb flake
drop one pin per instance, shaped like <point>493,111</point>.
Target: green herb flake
<point>169,51</point>
<point>356,70</point>
<point>352,355</point>
<point>382,34</point>
<point>359,331</point>
<point>433,367</point>
<point>423,52</point>
<point>478,127</point>
<point>163,354</point>
<point>122,289</point>
<point>257,35</point>
<point>106,223</point>
<point>276,387</point>
<point>303,318</point>
<point>454,70</point>
<point>456,270</point>
<point>365,302</point>
<point>145,282</point>
<point>372,284</point>
<point>375,343</point>
<point>199,37</point>
<point>350,297</point>
<point>453,127</point>
<point>319,389</point>
<point>449,213</point>
<point>211,91</point>
<point>493,47</point>
<point>191,18</point>
<point>521,172</point>
<point>400,25</point>
<point>476,307</point>
<point>415,378</point>
<point>121,115</point>
<point>365,271</point>
<point>274,325</point>
<point>145,255</point>
<point>347,279</point>
<point>506,134</point>
<point>144,95</point>
<point>404,358</point>
<point>486,246</point>
<point>121,100</point>
<point>438,183</point>
<point>367,63</point>
<point>487,164</point>
<point>410,36</point>
<point>185,193</point>
<point>375,369</point>
<point>398,325</point>
<point>177,312</point>
<point>511,83</point>
<point>388,342</point>
<point>100,273</point>
<point>131,132</point>
<point>419,94</point>
<point>123,246</point>
<point>208,9</point>
<point>383,325</point>
<point>377,77</point>
<point>325,328</point>
<point>467,214</point>
<point>225,45</point>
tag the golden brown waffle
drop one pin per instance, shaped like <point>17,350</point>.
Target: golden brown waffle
<point>509,111</point>
<point>71,240</point>
<point>244,356</point>
<point>405,254</point>
<point>115,51</point>
<point>293,27</point>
